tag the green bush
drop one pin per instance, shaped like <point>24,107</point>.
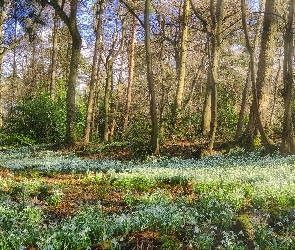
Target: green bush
<point>40,119</point>
<point>227,117</point>
<point>138,136</point>
<point>35,120</point>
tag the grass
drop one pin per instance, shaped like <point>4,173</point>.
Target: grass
<point>56,200</point>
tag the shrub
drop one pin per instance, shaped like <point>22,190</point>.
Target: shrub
<point>40,119</point>
<point>35,120</point>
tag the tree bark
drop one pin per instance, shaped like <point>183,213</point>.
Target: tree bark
<point>94,73</point>
<point>107,97</point>
<point>242,113</point>
<point>150,80</point>
<point>255,103</point>
<point>130,74</point>
<point>53,58</point>
<point>2,17</point>
<point>182,65</point>
<point>71,22</point>
<point>251,129</point>
<point>213,67</point>
<point>288,143</point>
<point>163,80</point>
<point>266,58</point>
<point>109,71</point>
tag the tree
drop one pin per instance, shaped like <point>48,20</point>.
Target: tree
<point>130,73</point>
<point>252,50</point>
<point>114,49</point>
<point>150,80</point>
<point>94,71</point>
<point>288,143</point>
<point>71,22</point>
<point>266,58</point>
<point>154,142</point>
<point>182,66</point>
<point>209,118</point>
<point>53,67</point>
<point>8,9</point>
<point>260,81</point>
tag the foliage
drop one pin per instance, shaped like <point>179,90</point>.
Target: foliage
<point>237,201</point>
<point>80,116</point>
<point>227,116</point>
<point>138,135</point>
<point>35,120</point>
<point>39,119</point>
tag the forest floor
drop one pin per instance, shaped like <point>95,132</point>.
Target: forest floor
<point>56,200</point>
<point>122,152</point>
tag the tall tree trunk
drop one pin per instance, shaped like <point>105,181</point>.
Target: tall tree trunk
<point>2,17</point>
<point>72,82</point>
<point>206,114</point>
<point>33,76</point>
<point>115,104</point>
<point>251,129</point>
<point>107,97</point>
<point>213,67</point>
<point>255,103</point>
<point>150,80</point>
<point>163,81</point>
<point>242,113</point>
<point>288,143</point>
<point>71,91</point>
<point>275,94</point>
<point>109,77</point>
<point>266,58</point>
<point>130,74</point>
<point>71,22</point>
<point>53,58</point>
<point>94,73</point>
<point>182,66</point>
<point>14,83</point>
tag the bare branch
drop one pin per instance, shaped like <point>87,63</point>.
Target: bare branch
<point>10,47</point>
<point>59,10</point>
<point>132,12</point>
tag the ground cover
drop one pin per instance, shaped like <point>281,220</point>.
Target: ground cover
<point>56,200</point>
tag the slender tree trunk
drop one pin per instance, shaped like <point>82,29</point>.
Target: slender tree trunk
<point>14,83</point>
<point>206,114</point>
<point>115,105</point>
<point>33,63</point>
<point>242,113</point>
<point>107,97</point>
<point>53,58</point>
<point>71,91</point>
<point>266,58</point>
<point>182,66</point>
<point>2,17</point>
<point>275,94</point>
<point>94,73</point>
<point>255,103</point>
<point>108,85</point>
<point>195,82</point>
<point>213,68</point>
<point>71,22</point>
<point>288,143</point>
<point>251,129</point>
<point>130,74</point>
<point>164,87</point>
<point>150,80</point>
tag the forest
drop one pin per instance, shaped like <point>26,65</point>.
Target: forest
<point>148,74</point>
<point>147,124</point>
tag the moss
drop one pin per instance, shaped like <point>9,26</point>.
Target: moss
<point>256,142</point>
<point>244,223</point>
